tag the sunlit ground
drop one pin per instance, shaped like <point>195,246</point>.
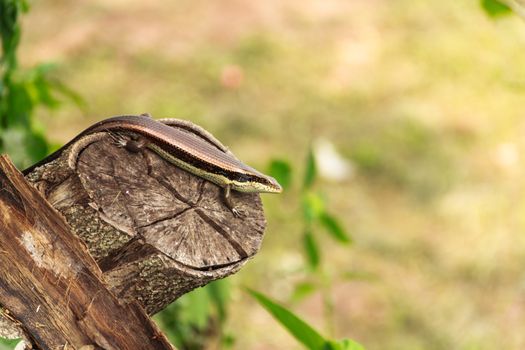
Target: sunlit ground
<point>425,98</point>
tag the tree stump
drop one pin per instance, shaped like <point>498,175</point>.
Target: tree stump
<point>155,230</point>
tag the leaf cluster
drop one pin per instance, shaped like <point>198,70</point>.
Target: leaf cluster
<point>22,91</point>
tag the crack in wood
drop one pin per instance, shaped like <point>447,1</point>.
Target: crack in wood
<point>167,218</point>
<point>235,245</point>
<point>171,189</point>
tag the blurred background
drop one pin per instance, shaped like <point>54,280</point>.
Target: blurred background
<point>413,110</point>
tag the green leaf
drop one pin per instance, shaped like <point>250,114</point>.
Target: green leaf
<point>302,290</point>
<point>312,250</point>
<point>24,5</point>
<point>40,86</point>
<point>227,341</point>
<point>345,344</point>
<point>41,93</point>
<point>311,170</point>
<point>281,171</point>
<point>8,344</point>
<point>69,94</point>
<point>219,295</point>
<point>36,146</point>
<point>495,8</point>
<point>313,206</point>
<point>10,34</point>
<point>196,308</point>
<point>19,104</point>
<point>334,228</point>
<point>301,331</point>
<point>176,329</point>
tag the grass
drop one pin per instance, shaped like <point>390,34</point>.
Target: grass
<point>424,97</point>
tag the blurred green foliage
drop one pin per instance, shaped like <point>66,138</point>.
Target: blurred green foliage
<point>198,317</point>
<point>388,154</point>
<point>282,172</point>
<point>495,8</point>
<point>301,330</point>
<point>22,91</point>
<point>8,344</point>
<point>315,214</point>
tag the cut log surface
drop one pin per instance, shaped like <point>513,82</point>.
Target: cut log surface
<point>155,230</point>
<point>52,287</point>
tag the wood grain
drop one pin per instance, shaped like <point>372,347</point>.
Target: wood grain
<point>51,285</point>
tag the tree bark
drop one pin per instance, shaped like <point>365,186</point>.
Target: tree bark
<point>52,287</point>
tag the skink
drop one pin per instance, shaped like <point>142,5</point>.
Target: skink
<point>184,145</point>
